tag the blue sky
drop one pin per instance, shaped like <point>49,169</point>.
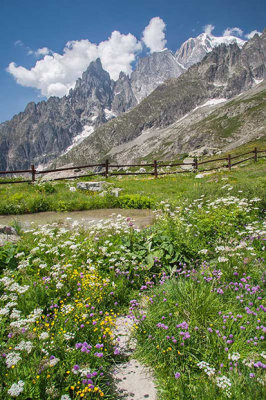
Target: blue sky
<point>29,25</point>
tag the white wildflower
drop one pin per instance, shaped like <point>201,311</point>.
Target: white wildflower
<point>16,389</point>
<point>12,359</point>
<point>23,345</point>
<point>224,383</point>
<point>222,259</point>
<point>15,314</point>
<point>233,356</point>
<point>15,287</point>
<point>66,396</point>
<point>53,361</point>
<point>66,309</point>
<point>4,311</point>
<point>84,371</point>
<point>69,335</point>
<point>206,367</point>
<point>18,255</point>
<point>44,336</point>
<point>203,251</point>
<point>59,285</point>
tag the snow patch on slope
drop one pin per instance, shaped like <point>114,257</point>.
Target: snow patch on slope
<point>109,114</point>
<point>257,81</point>
<point>212,102</point>
<point>86,132</point>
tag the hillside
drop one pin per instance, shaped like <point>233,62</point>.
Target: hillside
<point>208,129</point>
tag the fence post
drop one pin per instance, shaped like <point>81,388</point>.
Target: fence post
<point>195,164</point>
<point>255,154</point>
<point>229,162</point>
<point>106,168</point>
<point>155,166</point>
<point>33,172</point>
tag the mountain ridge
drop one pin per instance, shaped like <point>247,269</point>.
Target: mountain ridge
<point>49,128</point>
<point>223,73</point>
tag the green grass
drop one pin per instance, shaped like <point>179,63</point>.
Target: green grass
<point>137,192</point>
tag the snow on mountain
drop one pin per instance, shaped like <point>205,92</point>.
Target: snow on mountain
<point>86,132</point>
<point>194,49</point>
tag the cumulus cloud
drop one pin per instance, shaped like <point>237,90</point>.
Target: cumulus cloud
<point>55,74</point>
<point>118,52</point>
<point>154,36</point>
<point>208,29</point>
<point>233,32</point>
<point>251,34</point>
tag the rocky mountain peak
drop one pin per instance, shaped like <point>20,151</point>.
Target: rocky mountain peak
<point>194,49</point>
<point>30,108</point>
<point>153,70</point>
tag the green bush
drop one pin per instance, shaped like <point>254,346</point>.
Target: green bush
<point>46,187</point>
<point>135,201</point>
<point>7,256</point>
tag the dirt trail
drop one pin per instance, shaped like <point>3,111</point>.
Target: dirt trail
<point>133,381</point>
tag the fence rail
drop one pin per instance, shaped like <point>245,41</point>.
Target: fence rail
<point>156,165</point>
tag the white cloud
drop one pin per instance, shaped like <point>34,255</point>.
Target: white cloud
<point>208,29</point>
<point>118,52</point>
<point>233,32</point>
<point>42,52</point>
<point>55,74</point>
<point>251,34</point>
<point>18,43</point>
<point>154,36</point>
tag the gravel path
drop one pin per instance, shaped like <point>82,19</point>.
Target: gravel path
<point>133,381</point>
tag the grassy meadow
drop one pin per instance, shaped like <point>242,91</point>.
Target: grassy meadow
<point>192,282</point>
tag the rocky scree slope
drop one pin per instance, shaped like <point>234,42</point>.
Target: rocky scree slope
<point>224,73</point>
<point>47,129</point>
<point>206,130</point>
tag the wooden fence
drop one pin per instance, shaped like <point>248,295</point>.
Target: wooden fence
<point>106,167</point>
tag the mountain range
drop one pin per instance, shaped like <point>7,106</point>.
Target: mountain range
<point>99,113</point>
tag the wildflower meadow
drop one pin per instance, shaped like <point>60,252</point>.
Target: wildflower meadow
<point>192,283</point>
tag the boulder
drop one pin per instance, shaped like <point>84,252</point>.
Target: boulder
<point>187,164</point>
<point>92,186</point>
<point>8,234</point>
<point>8,230</point>
<point>199,176</point>
<point>116,191</point>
